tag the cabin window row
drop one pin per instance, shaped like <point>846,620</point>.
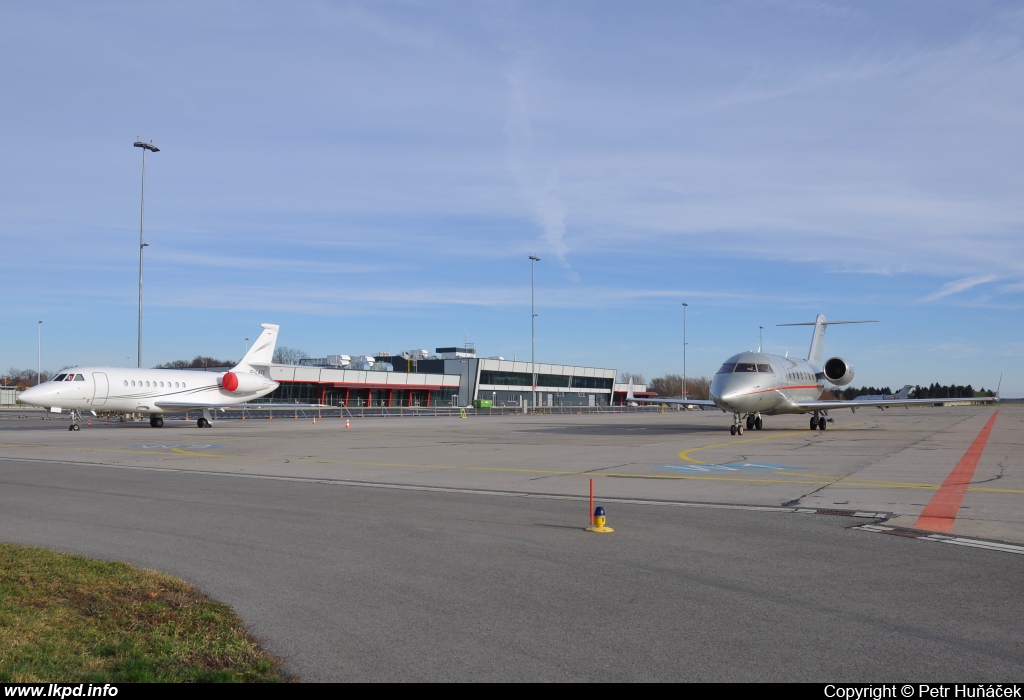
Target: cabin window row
<point>169,385</point>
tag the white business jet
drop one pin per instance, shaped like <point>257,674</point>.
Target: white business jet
<point>159,391</point>
<point>755,384</point>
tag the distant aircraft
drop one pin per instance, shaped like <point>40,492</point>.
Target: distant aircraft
<point>159,391</point>
<point>755,384</point>
<point>903,393</point>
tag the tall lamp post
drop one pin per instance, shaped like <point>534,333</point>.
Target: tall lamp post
<point>39,354</point>
<point>533,367</point>
<point>142,221</point>
<point>684,349</point>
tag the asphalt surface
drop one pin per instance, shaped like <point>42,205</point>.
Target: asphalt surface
<point>455,550</point>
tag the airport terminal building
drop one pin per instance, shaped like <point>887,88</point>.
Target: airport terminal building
<point>447,377</point>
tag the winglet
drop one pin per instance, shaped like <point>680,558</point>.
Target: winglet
<point>261,354</point>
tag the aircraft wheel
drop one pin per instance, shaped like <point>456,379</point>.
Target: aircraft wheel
<point>821,423</point>
<point>158,422</point>
<point>814,423</point>
<point>732,430</point>
<point>739,429</point>
<point>750,422</point>
<point>758,423</point>
<point>72,427</point>
<point>202,423</point>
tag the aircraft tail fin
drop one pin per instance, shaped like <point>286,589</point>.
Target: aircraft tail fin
<point>261,354</point>
<point>629,392</point>
<point>904,393</point>
<point>816,353</point>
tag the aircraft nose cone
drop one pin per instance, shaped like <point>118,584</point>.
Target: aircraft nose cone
<point>32,396</point>
<point>728,390</point>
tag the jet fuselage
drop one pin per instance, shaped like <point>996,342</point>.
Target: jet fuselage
<point>127,390</point>
<point>754,382</point>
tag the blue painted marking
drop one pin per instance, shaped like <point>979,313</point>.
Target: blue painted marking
<point>730,467</point>
<point>180,447</point>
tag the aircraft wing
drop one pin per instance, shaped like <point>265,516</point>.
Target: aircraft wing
<point>699,403</point>
<point>884,403</point>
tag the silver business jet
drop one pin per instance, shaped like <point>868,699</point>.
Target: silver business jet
<point>751,385</point>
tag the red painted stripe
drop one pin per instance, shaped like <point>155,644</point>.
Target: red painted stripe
<point>940,513</point>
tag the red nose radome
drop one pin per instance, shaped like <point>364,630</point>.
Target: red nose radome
<point>229,382</point>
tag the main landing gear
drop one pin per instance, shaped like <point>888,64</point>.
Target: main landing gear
<point>818,421</point>
<point>204,421</point>
<point>156,421</point>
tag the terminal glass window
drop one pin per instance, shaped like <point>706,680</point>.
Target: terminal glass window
<point>591,383</point>
<point>561,380</point>
<point>493,377</point>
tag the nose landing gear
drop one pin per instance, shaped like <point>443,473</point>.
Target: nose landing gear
<point>76,418</point>
<point>737,425</point>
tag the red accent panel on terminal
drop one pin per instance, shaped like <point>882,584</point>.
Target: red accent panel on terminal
<point>229,381</point>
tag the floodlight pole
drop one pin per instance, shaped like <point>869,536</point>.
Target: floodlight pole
<point>685,305</point>
<point>142,222</point>
<point>39,354</point>
<point>533,366</point>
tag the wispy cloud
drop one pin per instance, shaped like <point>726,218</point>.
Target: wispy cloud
<point>958,286</point>
<point>539,183</point>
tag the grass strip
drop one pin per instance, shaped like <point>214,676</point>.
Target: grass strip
<point>70,619</point>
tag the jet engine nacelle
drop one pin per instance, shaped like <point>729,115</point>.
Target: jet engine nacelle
<point>838,371</point>
<point>242,383</point>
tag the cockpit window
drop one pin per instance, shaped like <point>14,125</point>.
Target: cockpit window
<point>79,377</point>
<point>764,368</point>
<point>745,367</point>
<point>70,378</point>
<point>727,368</point>
<point>59,378</point>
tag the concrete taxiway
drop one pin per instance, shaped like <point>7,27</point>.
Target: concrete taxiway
<point>452,549</point>
<point>892,461</point>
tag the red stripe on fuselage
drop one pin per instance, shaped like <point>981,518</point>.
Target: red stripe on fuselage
<point>781,388</point>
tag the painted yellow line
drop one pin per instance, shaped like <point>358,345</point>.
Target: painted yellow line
<point>793,478</point>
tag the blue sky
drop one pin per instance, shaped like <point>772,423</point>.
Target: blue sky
<point>373,175</point>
